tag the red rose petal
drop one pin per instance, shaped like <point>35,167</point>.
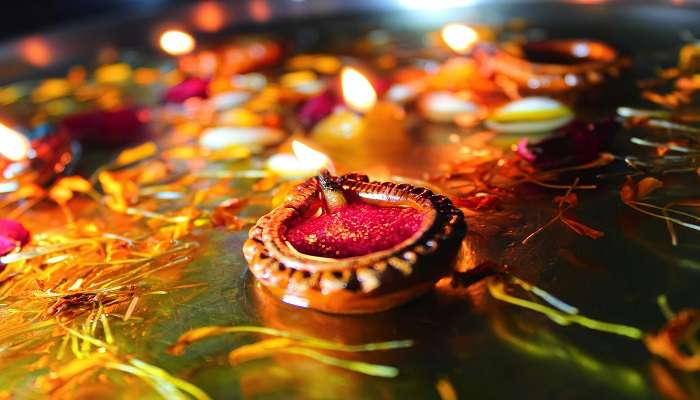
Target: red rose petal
<point>577,143</point>
<point>317,108</point>
<point>190,87</point>
<point>108,128</point>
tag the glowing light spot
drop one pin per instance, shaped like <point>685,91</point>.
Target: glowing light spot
<point>15,146</point>
<point>177,43</point>
<point>581,50</point>
<point>460,38</point>
<point>357,90</point>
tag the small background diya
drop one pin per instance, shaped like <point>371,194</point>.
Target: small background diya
<point>37,156</point>
<point>387,244</point>
<point>552,66</point>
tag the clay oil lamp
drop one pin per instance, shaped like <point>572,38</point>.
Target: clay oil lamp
<point>552,66</point>
<point>344,244</point>
<point>33,158</point>
<point>365,120</point>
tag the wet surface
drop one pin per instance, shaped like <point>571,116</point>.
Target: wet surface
<point>485,348</point>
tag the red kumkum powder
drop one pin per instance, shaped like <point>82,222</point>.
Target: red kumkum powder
<point>354,230</point>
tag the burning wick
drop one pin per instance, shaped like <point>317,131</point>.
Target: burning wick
<point>176,43</point>
<point>332,192</point>
<point>460,38</point>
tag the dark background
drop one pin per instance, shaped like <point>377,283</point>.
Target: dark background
<point>29,16</point>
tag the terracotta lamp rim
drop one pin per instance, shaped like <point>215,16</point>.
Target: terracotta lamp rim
<point>358,284</point>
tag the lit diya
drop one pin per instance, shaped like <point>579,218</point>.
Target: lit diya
<point>365,120</point>
<point>349,246</point>
<point>35,157</point>
<point>552,66</point>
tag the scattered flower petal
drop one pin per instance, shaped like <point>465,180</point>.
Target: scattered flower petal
<point>7,245</point>
<point>578,143</point>
<point>317,108</point>
<point>108,128</point>
<point>677,332</point>
<point>648,185</point>
<point>14,231</point>
<point>190,87</point>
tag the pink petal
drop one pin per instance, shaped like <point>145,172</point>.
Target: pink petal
<point>524,152</point>
<point>14,231</point>
<point>6,246</point>
<point>190,87</point>
<point>317,108</point>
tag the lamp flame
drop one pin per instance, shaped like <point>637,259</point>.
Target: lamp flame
<point>176,42</point>
<point>313,159</point>
<point>357,90</point>
<point>14,146</point>
<point>460,38</point>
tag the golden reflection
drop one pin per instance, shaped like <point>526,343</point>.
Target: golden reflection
<point>538,342</point>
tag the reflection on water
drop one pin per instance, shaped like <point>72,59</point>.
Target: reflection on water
<point>539,343</point>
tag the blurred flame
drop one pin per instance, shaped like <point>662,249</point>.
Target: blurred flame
<point>14,145</point>
<point>209,16</point>
<point>460,38</point>
<point>36,52</point>
<point>313,159</point>
<point>176,42</point>
<point>357,90</point>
